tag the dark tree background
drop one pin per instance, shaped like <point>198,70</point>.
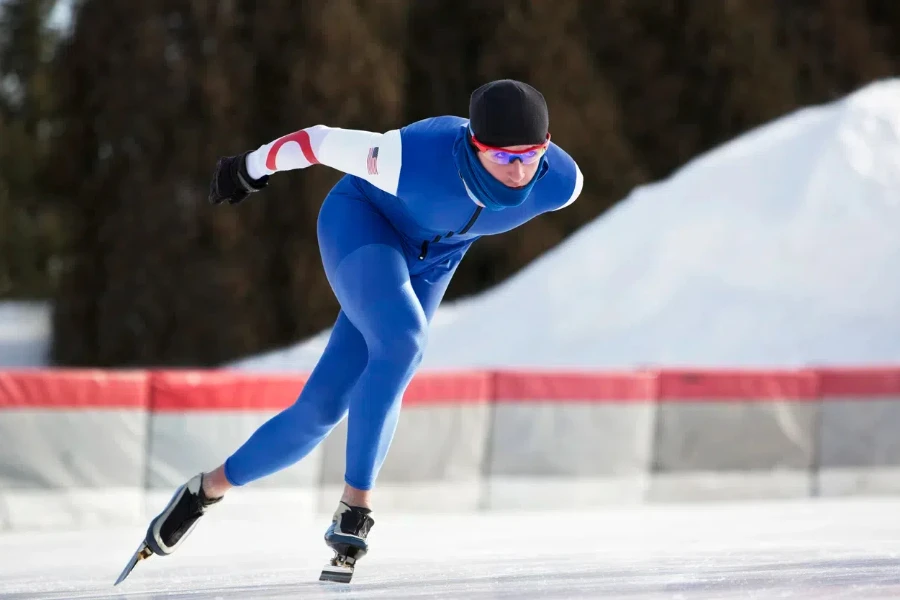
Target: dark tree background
<point>109,132</point>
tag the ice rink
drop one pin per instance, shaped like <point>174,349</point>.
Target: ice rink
<point>785,549</point>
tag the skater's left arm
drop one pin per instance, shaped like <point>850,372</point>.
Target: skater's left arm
<point>570,190</point>
<point>375,157</point>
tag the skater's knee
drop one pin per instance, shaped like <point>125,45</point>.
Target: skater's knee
<point>409,345</point>
<point>324,404</point>
<point>403,346</point>
<point>329,414</point>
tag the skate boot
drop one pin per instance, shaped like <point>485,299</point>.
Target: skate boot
<point>347,537</point>
<point>170,527</point>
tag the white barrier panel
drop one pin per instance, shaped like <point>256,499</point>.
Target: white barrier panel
<point>859,440</point>
<point>436,459</point>
<point>199,419</point>
<point>72,447</point>
<point>728,435</point>
<point>89,447</point>
<point>587,437</point>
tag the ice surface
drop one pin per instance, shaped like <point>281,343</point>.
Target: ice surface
<point>787,549</point>
<point>779,248</point>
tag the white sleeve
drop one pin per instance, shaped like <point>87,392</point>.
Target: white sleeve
<point>375,157</point>
<point>576,191</point>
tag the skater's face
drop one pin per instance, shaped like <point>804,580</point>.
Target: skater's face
<point>513,166</point>
<point>514,174</point>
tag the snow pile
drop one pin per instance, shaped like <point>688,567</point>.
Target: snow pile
<point>780,248</point>
<point>25,334</point>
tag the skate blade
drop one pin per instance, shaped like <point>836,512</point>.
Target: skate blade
<point>337,574</point>
<point>142,552</point>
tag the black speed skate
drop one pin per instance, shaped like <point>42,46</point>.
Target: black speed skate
<point>347,537</point>
<point>170,527</point>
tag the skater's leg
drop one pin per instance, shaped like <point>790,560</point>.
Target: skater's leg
<point>367,268</point>
<point>346,222</point>
<point>369,437</point>
<point>355,497</point>
<point>374,287</point>
<point>396,335</point>
<point>429,289</point>
<point>285,438</point>
<point>282,440</point>
<point>431,286</point>
<point>293,433</point>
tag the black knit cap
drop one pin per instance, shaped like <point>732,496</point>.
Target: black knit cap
<point>507,112</point>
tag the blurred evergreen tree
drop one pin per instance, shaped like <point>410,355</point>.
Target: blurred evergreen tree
<point>154,92</point>
<point>106,159</point>
<point>32,229</point>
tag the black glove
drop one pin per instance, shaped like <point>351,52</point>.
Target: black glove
<point>231,181</point>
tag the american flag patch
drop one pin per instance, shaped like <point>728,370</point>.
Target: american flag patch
<point>372,161</point>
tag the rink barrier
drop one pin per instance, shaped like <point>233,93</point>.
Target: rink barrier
<point>734,434</point>
<point>69,438</point>
<point>590,433</point>
<point>859,445</point>
<point>86,446</point>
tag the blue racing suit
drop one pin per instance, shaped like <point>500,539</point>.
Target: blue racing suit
<point>391,234</point>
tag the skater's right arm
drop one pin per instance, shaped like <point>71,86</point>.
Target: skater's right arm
<point>375,157</point>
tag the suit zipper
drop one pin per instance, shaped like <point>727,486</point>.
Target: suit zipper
<point>437,238</point>
<point>472,220</point>
<point>424,251</point>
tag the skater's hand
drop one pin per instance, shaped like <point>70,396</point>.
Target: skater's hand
<point>230,181</point>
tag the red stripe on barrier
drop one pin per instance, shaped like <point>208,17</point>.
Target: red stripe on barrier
<point>859,382</point>
<point>744,385</point>
<point>526,386</point>
<point>449,388</point>
<point>199,390</point>
<point>217,391</point>
<point>74,389</point>
<point>175,391</point>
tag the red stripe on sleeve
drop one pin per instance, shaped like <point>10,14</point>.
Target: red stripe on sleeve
<point>302,138</point>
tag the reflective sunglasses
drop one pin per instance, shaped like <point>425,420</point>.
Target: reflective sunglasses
<point>503,156</point>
